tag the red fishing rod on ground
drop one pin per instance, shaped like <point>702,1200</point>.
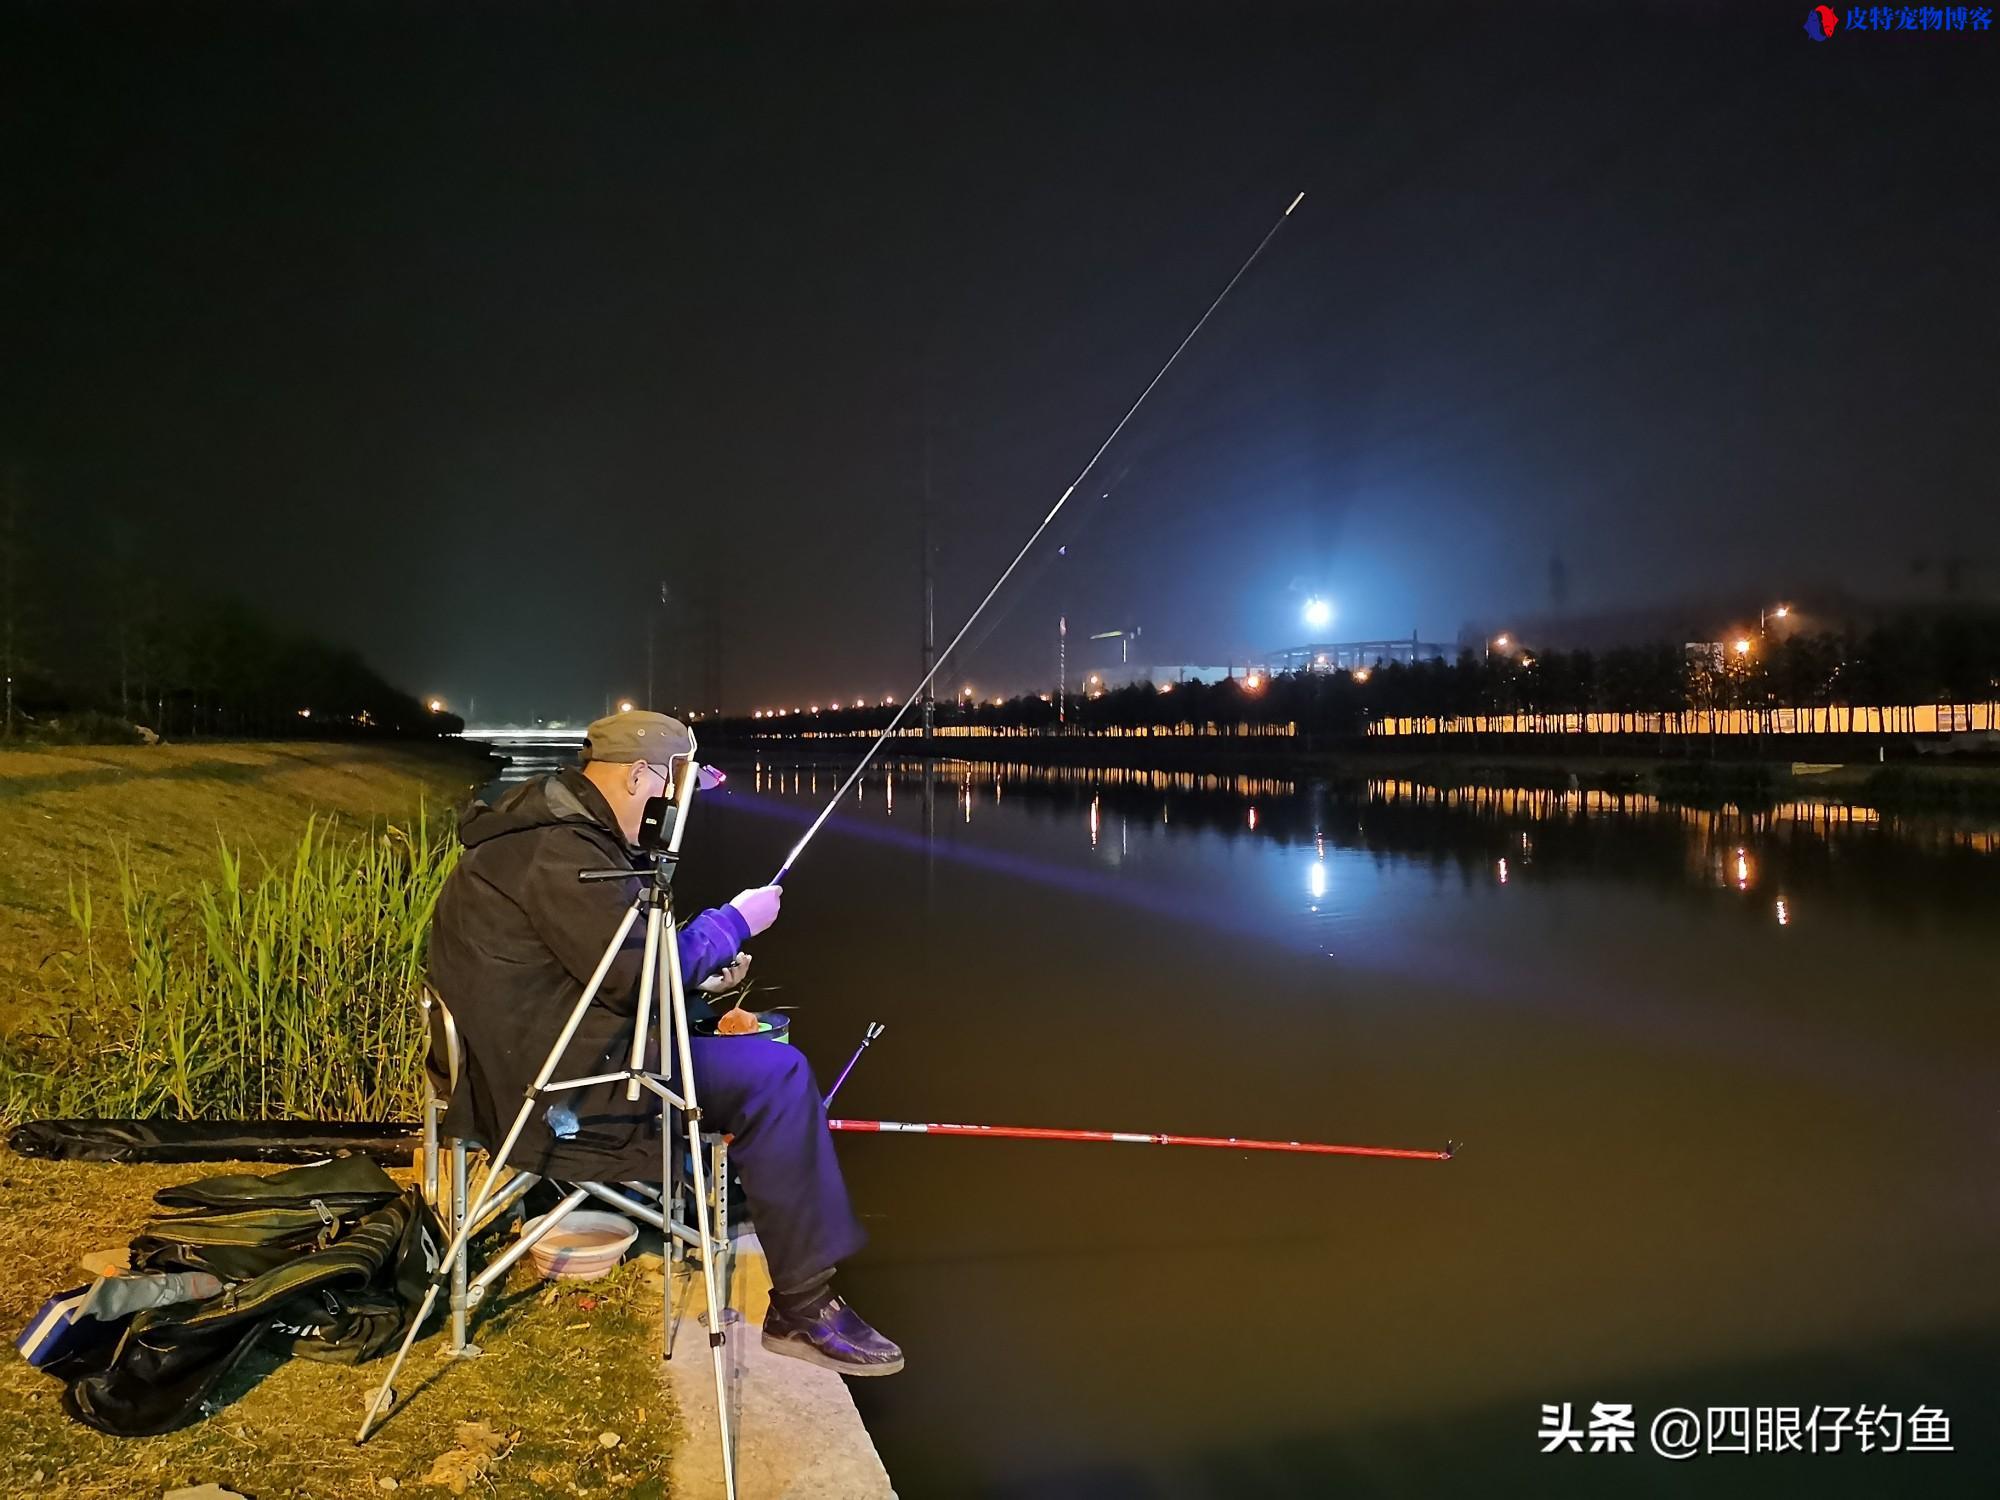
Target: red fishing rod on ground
<point>1142,1138</point>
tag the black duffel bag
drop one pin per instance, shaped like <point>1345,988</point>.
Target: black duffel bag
<point>344,1293</point>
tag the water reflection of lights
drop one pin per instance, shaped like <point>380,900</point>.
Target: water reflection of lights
<point>1253,819</point>
<point>1503,872</point>
<point>1784,912</point>
<point>1094,801</point>
<point>1316,879</point>
<point>1742,871</point>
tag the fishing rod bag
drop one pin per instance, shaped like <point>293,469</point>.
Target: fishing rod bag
<point>170,1141</point>
<point>332,1259</point>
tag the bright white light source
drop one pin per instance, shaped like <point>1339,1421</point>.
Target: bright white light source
<point>1318,613</point>
<point>1316,880</point>
<point>625,707</point>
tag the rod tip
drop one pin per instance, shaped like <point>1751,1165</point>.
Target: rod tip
<point>1295,203</point>
<point>1450,1149</point>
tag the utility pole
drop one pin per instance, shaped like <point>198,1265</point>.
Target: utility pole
<point>930,594</point>
<point>652,623</point>
<point>10,602</point>
<point>711,653</point>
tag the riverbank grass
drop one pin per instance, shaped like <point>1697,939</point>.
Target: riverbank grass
<point>564,1364</point>
<point>65,811</point>
<point>284,988</point>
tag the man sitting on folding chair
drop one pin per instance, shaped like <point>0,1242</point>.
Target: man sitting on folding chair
<point>515,940</point>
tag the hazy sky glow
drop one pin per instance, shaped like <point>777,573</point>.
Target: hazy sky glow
<point>453,330</point>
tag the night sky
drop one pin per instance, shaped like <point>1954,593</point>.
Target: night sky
<point>452,331</point>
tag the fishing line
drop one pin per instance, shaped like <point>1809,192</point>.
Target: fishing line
<point>1083,473</point>
<point>1077,524</point>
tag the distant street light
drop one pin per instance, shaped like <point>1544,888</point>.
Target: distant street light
<point>1362,674</point>
<point>437,705</point>
<point>1254,681</point>
<point>1500,641</point>
<point>1742,646</point>
<point>624,705</point>
<point>1318,613</point>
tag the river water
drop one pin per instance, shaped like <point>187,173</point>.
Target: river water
<point>1725,1085</point>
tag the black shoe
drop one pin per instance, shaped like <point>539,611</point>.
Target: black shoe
<point>833,1336</point>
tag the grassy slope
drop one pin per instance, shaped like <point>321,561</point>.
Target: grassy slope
<point>61,808</point>
<point>559,1371</point>
<point>561,1366</point>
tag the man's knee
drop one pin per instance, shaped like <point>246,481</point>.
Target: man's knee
<point>758,1068</point>
<point>788,1071</point>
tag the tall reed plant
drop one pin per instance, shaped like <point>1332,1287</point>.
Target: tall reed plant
<point>285,992</point>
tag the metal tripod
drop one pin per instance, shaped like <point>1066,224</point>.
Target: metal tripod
<point>660,965</point>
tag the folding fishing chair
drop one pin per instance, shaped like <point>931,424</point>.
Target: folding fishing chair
<point>449,1197</point>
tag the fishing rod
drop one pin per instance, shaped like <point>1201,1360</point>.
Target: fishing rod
<point>1111,1137</point>
<point>1082,474</point>
<point>1142,1138</point>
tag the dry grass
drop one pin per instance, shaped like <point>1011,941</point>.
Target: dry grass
<point>62,810</point>
<point>559,1369</point>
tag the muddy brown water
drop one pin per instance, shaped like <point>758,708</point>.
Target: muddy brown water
<point>1725,1083</point>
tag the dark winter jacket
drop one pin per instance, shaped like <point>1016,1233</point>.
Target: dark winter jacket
<point>515,940</point>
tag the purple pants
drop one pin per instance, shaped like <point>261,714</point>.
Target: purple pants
<point>762,1093</point>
